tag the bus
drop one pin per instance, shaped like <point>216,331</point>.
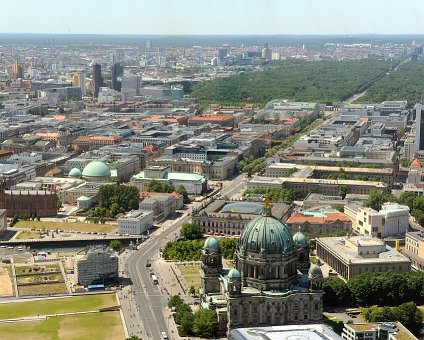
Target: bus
<point>155,280</point>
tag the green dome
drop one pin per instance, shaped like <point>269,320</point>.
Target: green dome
<point>96,169</point>
<point>75,172</point>
<point>300,239</point>
<point>315,272</point>
<point>234,274</point>
<point>211,243</point>
<point>267,235</point>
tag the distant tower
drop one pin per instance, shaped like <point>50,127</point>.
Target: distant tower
<point>117,71</point>
<point>419,124</point>
<point>79,81</point>
<point>97,79</point>
<point>266,52</point>
<point>17,70</point>
<point>149,44</point>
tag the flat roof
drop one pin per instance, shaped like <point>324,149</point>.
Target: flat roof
<point>337,246</point>
<point>311,331</point>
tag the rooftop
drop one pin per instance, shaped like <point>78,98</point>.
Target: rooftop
<point>341,247</point>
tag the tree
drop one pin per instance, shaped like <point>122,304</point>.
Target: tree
<point>186,324</point>
<point>115,199</point>
<point>192,290</point>
<point>58,202</point>
<point>15,220</point>
<point>160,186</point>
<point>337,292</point>
<point>342,191</point>
<point>405,162</point>
<point>205,323</point>
<point>376,199</point>
<point>174,301</point>
<point>191,231</point>
<point>408,198</point>
<point>228,247</point>
<point>182,191</point>
<point>133,337</point>
<point>115,245</point>
<point>409,315</point>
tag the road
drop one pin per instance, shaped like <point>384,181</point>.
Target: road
<point>147,296</point>
<point>234,187</point>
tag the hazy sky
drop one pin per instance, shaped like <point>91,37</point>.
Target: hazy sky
<point>212,16</point>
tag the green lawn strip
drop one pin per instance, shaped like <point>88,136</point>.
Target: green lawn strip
<point>82,326</point>
<point>55,306</point>
<point>50,225</point>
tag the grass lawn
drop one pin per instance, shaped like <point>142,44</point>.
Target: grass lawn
<point>189,270</point>
<point>56,306</point>
<point>28,235</point>
<point>100,228</point>
<point>81,327</point>
<point>43,289</point>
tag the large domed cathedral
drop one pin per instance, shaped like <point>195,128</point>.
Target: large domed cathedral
<point>273,282</point>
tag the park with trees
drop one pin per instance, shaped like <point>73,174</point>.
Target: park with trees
<point>115,199</point>
<point>202,323</point>
<point>320,81</point>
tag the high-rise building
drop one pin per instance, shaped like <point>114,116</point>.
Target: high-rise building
<point>266,52</point>
<point>79,81</point>
<point>419,125</point>
<point>17,70</point>
<point>97,79</point>
<point>130,86</point>
<point>222,53</point>
<point>117,71</point>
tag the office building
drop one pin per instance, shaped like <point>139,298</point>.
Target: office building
<point>79,81</point>
<point>350,256</point>
<point>391,221</point>
<point>414,249</point>
<point>117,71</point>
<point>97,79</point>
<point>135,222</point>
<point>96,265</point>
<point>419,125</point>
<point>377,331</point>
<point>161,204</point>
<point>17,70</point>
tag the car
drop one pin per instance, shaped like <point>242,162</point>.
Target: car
<point>2,246</point>
<point>164,336</point>
<point>10,247</point>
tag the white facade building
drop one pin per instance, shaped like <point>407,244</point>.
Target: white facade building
<point>136,222</point>
<point>391,220</point>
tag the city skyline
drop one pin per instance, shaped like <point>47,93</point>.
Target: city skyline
<point>237,17</point>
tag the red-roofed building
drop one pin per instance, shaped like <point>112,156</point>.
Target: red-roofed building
<point>218,118</point>
<point>167,119</point>
<point>319,222</point>
<point>85,142</point>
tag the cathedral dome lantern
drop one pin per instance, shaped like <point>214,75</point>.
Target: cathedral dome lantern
<point>266,235</point>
